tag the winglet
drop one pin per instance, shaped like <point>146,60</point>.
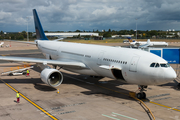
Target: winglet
<point>39,30</point>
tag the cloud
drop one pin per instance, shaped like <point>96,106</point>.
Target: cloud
<point>71,15</point>
<point>4,16</point>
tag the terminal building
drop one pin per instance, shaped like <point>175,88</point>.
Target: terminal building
<point>71,34</point>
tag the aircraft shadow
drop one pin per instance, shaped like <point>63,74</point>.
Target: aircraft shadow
<point>106,89</point>
<point>38,84</point>
<point>37,69</point>
<point>96,80</point>
<point>96,89</point>
<point>175,85</point>
<point>43,87</point>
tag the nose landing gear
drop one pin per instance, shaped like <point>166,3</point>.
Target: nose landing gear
<point>141,94</point>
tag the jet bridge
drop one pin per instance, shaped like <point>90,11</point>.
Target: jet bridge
<point>172,55</point>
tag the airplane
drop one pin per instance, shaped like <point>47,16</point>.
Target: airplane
<point>142,44</point>
<point>1,44</point>
<point>127,65</point>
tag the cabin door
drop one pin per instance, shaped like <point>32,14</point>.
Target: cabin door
<point>100,57</point>
<point>133,65</point>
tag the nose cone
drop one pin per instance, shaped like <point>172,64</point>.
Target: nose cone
<point>170,74</point>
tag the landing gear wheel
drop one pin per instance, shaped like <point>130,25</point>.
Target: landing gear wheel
<point>141,95</point>
<point>10,74</point>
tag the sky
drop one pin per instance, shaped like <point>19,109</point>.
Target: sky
<point>89,15</point>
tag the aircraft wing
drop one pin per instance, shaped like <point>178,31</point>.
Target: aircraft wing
<point>43,61</point>
<point>58,39</point>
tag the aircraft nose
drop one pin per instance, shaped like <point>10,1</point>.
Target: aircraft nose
<point>170,75</point>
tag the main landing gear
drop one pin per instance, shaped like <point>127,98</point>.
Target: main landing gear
<point>141,94</point>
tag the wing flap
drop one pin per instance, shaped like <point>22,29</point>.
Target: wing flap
<point>105,67</point>
<point>109,67</point>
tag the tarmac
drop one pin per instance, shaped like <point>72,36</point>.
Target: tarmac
<point>79,97</point>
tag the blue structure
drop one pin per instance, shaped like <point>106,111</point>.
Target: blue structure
<point>172,55</point>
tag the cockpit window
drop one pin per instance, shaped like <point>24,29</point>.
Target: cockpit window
<point>165,65</point>
<point>160,65</point>
<point>152,65</point>
<point>157,65</point>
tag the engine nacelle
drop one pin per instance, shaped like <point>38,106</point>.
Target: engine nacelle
<point>51,77</point>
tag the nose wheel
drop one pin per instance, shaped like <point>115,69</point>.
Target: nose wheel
<point>141,94</point>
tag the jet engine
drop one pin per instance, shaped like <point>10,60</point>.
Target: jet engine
<point>51,77</point>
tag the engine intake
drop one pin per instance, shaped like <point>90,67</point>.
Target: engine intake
<point>51,77</point>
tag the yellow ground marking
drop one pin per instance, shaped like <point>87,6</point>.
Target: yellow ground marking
<point>37,106</point>
<point>171,108</point>
<point>132,97</point>
<point>5,55</point>
<point>117,92</point>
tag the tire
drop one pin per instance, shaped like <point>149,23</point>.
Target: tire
<point>10,74</point>
<point>143,95</point>
<point>139,96</point>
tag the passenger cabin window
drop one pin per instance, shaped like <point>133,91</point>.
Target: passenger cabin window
<point>152,65</point>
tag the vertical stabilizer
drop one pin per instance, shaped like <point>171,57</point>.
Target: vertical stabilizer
<point>39,30</point>
<point>130,39</point>
<point>148,42</point>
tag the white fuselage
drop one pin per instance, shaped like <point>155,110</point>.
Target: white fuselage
<point>102,60</point>
<point>139,43</point>
<point>1,43</point>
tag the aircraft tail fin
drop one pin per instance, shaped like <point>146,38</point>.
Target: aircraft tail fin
<point>130,39</point>
<point>38,27</point>
<point>148,41</point>
<point>146,45</point>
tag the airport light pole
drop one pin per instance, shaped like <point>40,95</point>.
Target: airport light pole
<point>27,29</point>
<point>136,28</point>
